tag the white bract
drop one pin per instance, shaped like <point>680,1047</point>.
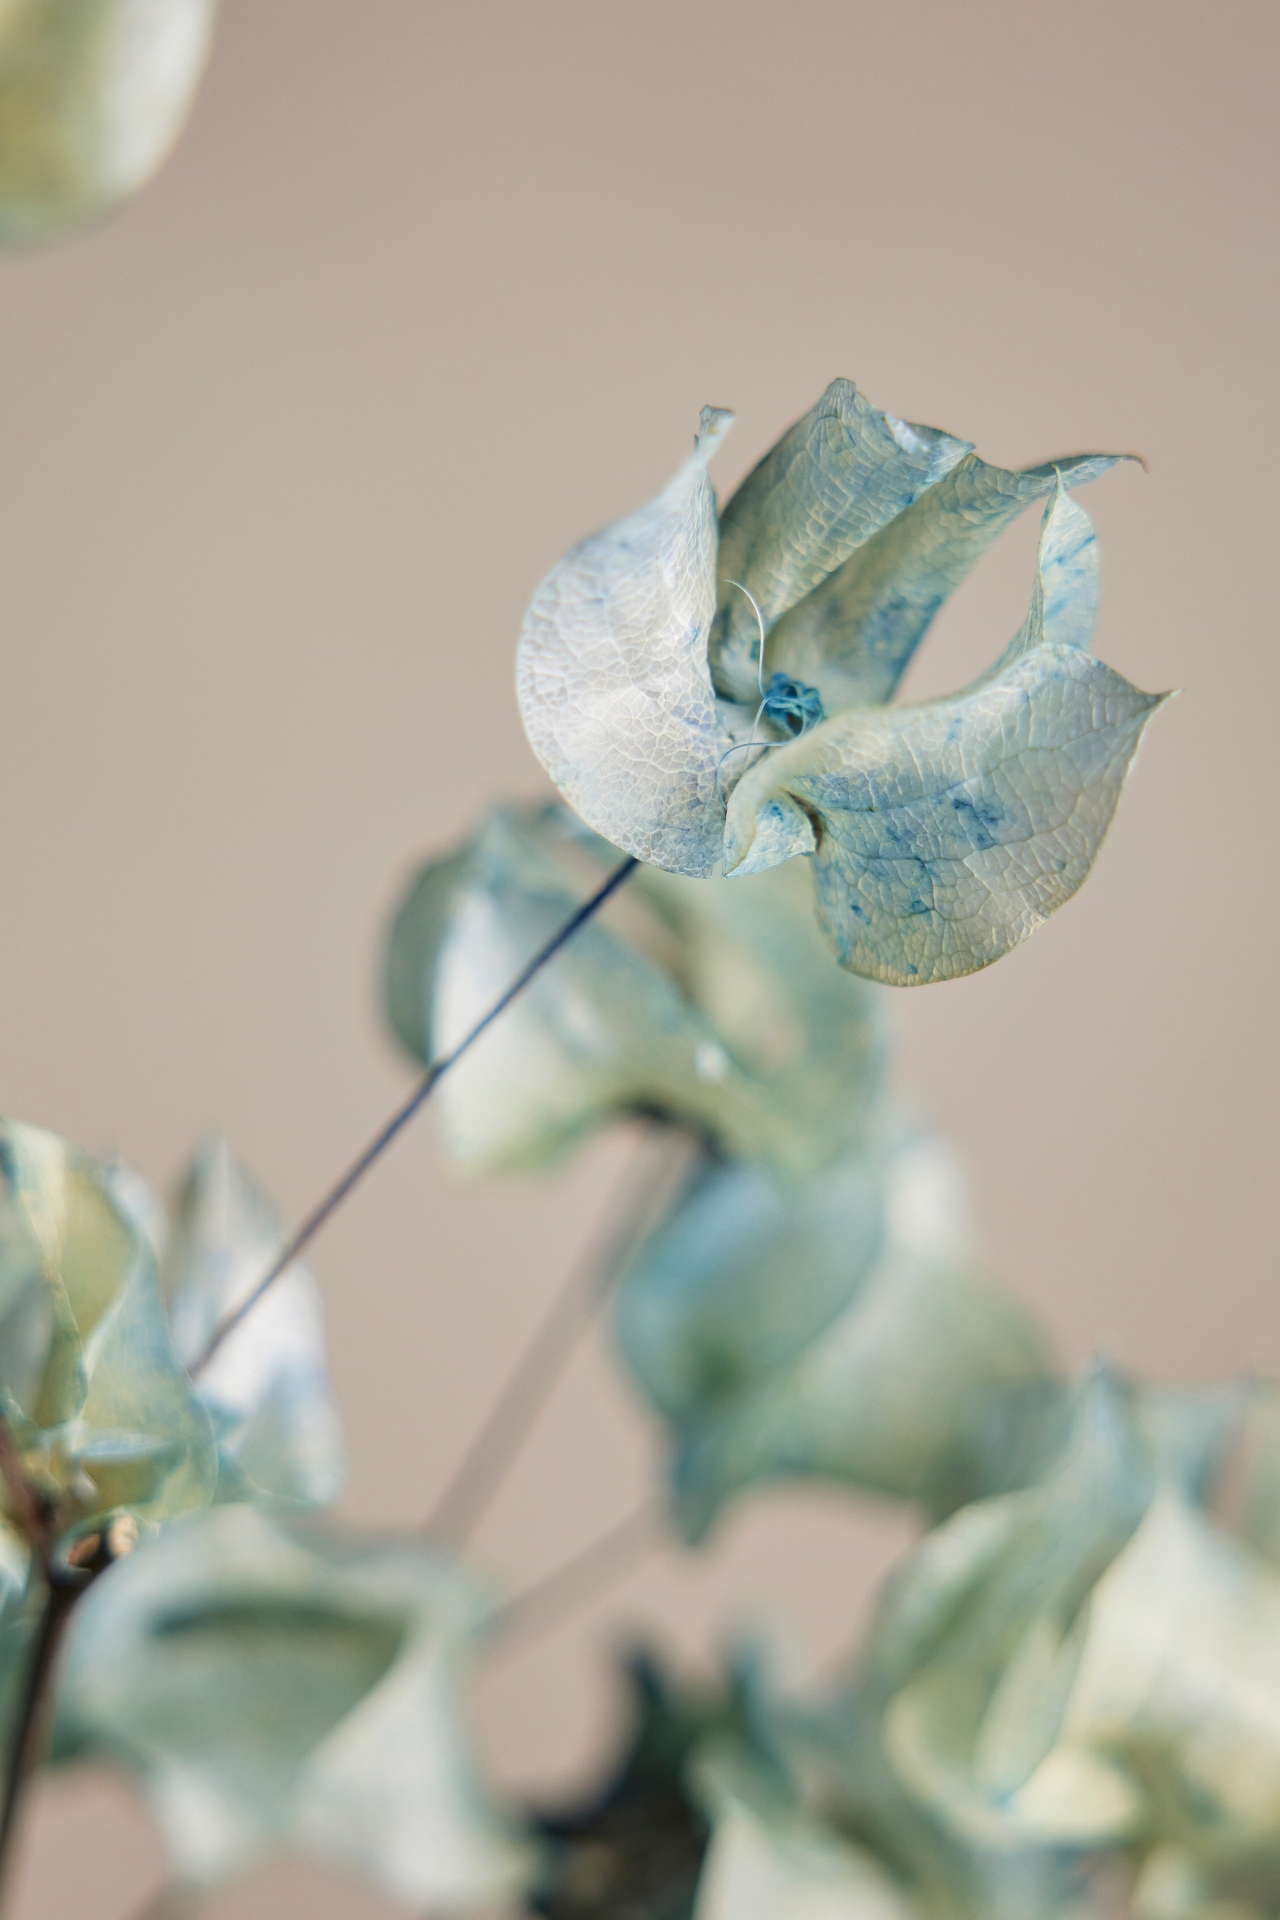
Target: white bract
<point>712,690</point>
<point>769,1861</point>
<point>267,1387</point>
<point>713,1006</point>
<point>844,1330</point>
<point>100,1408</point>
<point>275,1685</point>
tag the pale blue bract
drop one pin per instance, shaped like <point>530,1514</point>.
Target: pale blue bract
<point>942,834</point>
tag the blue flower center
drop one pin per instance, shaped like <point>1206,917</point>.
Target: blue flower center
<point>792,705</point>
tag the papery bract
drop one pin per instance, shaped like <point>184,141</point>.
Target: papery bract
<point>713,1006</point>
<point>267,1387</point>
<point>843,1330</point>
<point>275,1685</point>
<point>101,1410</point>
<point>770,1860</point>
<point>942,834</point>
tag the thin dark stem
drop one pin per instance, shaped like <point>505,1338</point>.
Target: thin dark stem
<point>555,1340</point>
<point>402,1116</point>
<point>26,1739</point>
<point>549,1602</point>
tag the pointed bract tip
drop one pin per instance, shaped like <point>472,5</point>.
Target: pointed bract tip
<point>713,424</point>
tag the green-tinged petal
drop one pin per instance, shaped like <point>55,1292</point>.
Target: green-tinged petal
<point>854,635</point>
<point>978,1642</point>
<point>838,1756</point>
<point>771,1860</point>
<point>741,1277</point>
<point>1193,1433</point>
<point>1179,1683</point>
<point>275,1686</point>
<point>1088,1663</point>
<point>1258,1470</point>
<point>93,94</point>
<point>832,481</point>
<point>612,675</point>
<point>103,1413</point>
<point>413,951</point>
<point>947,832</point>
<point>267,1387</point>
<point>844,1331</point>
<point>715,1006</point>
<point>1176,1883</point>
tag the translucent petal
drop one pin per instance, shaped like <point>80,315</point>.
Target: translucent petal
<point>774,1862</point>
<point>103,1413</point>
<point>855,634</point>
<point>93,94</point>
<point>1180,1670</point>
<point>947,832</point>
<point>267,1387</point>
<point>612,674</point>
<point>832,481</point>
<point>276,1686</point>
<point>713,1005</point>
<point>979,1639</point>
<point>843,1331</point>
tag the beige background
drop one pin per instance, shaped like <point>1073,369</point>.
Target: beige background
<point>429,291</point>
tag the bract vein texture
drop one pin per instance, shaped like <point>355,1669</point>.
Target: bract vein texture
<point>711,690</point>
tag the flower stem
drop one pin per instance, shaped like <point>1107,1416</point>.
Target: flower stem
<point>337,1193</point>
<point>26,1737</point>
<point>529,1385</point>
<point>576,1582</point>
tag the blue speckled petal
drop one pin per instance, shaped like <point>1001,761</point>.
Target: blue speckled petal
<point>612,677</point>
<point>832,481</point>
<point>853,636</point>
<point>944,834</point>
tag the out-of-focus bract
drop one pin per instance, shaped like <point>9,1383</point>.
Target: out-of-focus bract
<point>93,95</point>
<point>278,1684</point>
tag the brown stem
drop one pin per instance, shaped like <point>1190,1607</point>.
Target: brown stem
<point>64,1583</point>
<point>26,1740</point>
